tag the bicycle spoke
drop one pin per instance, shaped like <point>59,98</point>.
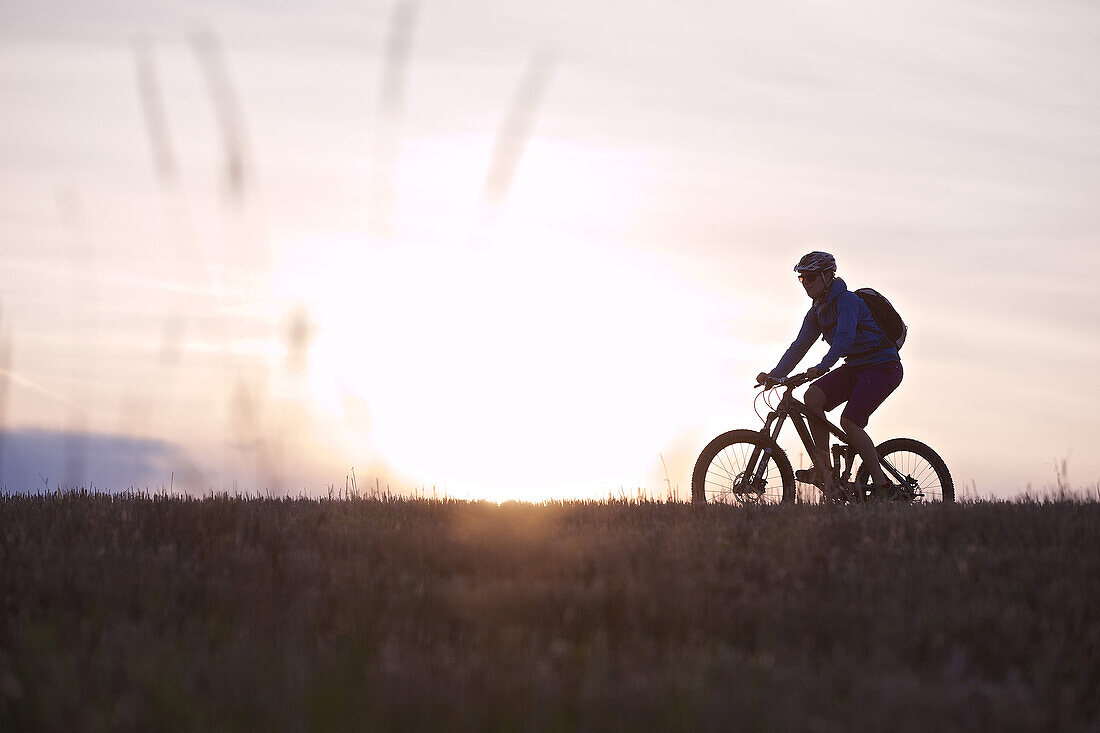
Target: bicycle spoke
<point>729,462</point>
<point>926,469</point>
<point>729,472</point>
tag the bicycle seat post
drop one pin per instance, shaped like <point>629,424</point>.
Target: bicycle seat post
<point>839,450</point>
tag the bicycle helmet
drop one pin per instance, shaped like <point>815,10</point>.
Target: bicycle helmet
<point>816,262</point>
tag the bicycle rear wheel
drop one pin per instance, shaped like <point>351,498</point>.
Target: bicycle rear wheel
<point>926,476</point>
<point>726,471</point>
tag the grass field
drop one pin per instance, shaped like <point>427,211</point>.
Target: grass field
<point>141,612</point>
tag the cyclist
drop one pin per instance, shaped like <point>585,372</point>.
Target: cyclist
<point>872,368</point>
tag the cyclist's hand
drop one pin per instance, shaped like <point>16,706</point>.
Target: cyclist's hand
<point>814,372</point>
<point>765,380</point>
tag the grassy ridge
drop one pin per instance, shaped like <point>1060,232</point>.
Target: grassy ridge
<point>133,612</point>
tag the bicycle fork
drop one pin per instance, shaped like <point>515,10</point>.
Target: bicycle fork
<point>759,469</point>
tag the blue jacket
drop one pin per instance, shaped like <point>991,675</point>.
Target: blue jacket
<point>849,328</point>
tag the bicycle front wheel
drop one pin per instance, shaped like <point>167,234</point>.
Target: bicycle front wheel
<point>742,467</point>
<point>926,478</point>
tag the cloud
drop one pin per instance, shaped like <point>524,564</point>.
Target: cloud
<point>33,459</point>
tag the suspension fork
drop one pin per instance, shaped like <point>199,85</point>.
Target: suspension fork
<point>770,432</point>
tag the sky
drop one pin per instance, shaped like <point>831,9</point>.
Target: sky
<point>526,250</point>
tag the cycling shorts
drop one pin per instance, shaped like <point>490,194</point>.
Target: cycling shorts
<point>864,388</point>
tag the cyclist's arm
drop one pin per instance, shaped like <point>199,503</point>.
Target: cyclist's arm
<point>847,314</point>
<point>807,335</point>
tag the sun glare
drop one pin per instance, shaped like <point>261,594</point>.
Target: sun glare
<point>522,353</point>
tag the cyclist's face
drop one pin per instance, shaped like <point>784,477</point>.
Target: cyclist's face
<point>814,282</point>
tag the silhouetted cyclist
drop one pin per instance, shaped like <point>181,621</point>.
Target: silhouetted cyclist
<point>871,371</point>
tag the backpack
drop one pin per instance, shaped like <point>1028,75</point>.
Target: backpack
<point>885,316</point>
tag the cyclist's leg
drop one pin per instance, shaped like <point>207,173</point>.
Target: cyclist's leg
<point>815,400</point>
<point>823,395</point>
<point>873,385</point>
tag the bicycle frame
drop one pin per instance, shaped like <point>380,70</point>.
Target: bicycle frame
<point>799,414</point>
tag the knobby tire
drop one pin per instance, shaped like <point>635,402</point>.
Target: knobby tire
<point>936,466</point>
<point>718,463</point>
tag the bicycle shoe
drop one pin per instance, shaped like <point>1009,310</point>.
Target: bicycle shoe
<point>808,476</point>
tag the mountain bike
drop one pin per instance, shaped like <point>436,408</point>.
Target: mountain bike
<point>748,466</point>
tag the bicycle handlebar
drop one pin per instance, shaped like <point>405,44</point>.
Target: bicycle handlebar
<point>791,382</point>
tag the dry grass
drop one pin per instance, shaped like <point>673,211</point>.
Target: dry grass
<point>139,612</point>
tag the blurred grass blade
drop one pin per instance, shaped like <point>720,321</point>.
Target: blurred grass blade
<point>228,110</point>
<point>152,107</point>
<point>517,126</point>
<point>381,186</point>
